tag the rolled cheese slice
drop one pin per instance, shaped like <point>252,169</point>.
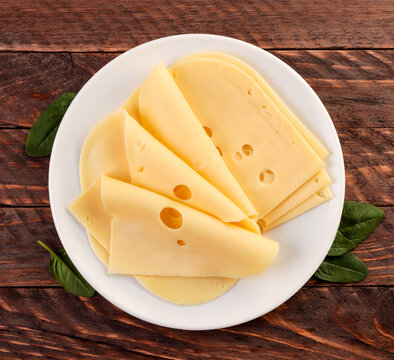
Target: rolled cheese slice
<point>165,113</point>
<point>153,235</point>
<point>154,167</point>
<point>316,145</point>
<point>263,150</point>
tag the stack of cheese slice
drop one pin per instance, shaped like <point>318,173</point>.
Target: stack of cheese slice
<point>277,161</point>
<point>173,182</point>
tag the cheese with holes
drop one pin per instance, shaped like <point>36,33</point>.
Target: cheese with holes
<point>313,185</point>
<point>105,137</point>
<point>165,113</point>
<point>307,189</point>
<point>317,146</point>
<point>263,150</point>
<point>103,151</point>
<point>153,235</point>
<point>156,168</point>
<point>316,199</point>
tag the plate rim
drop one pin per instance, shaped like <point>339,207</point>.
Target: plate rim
<point>88,84</point>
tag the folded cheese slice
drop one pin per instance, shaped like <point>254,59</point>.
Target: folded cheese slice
<point>153,235</point>
<point>176,289</point>
<point>312,186</point>
<point>89,210</point>
<point>316,199</point>
<point>103,151</point>
<point>317,146</point>
<point>131,105</point>
<point>263,150</point>
<point>165,113</point>
<point>154,167</point>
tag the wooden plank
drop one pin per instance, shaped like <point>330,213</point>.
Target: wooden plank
<point>316,323</point>
<point>119,25</point>
<point>367,152</point>
<point>356,86</point>
<point>24,263</point>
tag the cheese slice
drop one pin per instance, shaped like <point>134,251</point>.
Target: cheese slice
<point>313,185</point>
<point>131,105</point>
<point>316,199</point>
<point>99,250</point>
<point>263,150</point>
<point>176,289</point>
<point>89,210</point>
<point>193,290</point>
<point>165,113</point>
<point>154,167</point>
<point>307,189</point>
<point>153,235</point>
<point>103,151</point>
<point>317,146</point>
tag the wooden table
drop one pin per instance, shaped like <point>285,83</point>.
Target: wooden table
<point>343,48</point>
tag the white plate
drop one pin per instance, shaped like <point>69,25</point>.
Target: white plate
<point>303,242</point>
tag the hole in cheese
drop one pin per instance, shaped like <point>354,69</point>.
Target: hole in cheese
<point>141,145</point>
<point>181,242</point>
<point>208,131</point>
<point>247,150</point>
<point>220,151</point>
<point>267,176</point>
<point>263,106</point>
<point>237,156</point>
<point>140,169</point>
<point>182,192</point>
<point>316,180</point>
<point>171,218</point>
<point>250,92</point>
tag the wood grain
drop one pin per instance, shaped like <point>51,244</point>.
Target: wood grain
<point>317,323</point>
<point>368,157</point>
<point>73,25</point>
<point>24,263</point>
<point>357,86</point>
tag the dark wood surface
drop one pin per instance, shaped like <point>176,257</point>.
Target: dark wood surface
<point>345,51</point>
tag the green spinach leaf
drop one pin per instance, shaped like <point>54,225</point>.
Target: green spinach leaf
<point>357,222</point>
<point>66,274</point>
<point>343,269</point>
<point>40,139</point>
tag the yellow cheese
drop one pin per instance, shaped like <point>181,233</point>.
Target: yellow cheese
<point>131,105</point>
<point>99,250</point>
<point>263,150</point>
<point>104,144</point>
<point>179,290</point>
<point>302,129</point>
<point>165,113</point>
<point>193,290</point>
<point>316,183</point>
<point>103,152</point>
<point>176,289</point>
<point>89,210</point>
<point>154,167</point>
<point>315,200</point>
<point>153,235</point>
